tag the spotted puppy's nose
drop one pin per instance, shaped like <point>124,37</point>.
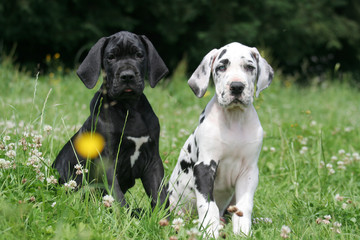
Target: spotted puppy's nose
<point>127,76</point>
<point>236,88</point>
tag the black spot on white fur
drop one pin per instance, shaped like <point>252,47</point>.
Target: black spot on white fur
<point>185,165</point>
<point>204,179</point>
<point>203,70</point>
<point>222,53</point>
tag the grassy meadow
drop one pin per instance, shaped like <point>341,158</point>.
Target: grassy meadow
<point>309,165</point>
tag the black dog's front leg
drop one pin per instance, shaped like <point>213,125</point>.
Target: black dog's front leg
<point>154,186</point>
<point>114,187</point>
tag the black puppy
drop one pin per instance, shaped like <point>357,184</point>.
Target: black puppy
<point>120,105</point>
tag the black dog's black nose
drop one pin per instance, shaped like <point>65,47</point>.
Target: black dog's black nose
<point>127,76</point>
<point>237,88</point>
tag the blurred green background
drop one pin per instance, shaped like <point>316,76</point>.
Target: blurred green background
<point>301,38</point>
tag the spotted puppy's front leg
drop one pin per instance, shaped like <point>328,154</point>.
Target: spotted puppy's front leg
<point>209,217</point>
<point>244,195</point>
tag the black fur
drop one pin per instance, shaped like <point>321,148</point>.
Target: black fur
<point>120,104</point>
<point>205,178</point>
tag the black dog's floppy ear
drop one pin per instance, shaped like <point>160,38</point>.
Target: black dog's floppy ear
<point>155,65</point>
<point>90,68</point>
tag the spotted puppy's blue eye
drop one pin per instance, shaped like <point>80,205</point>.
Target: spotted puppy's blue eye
<point>221,68</point>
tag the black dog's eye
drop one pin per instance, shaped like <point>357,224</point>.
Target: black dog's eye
<point>249,68</point>
<point>220,68</point>
<point>111,57</point>
<point>139,55</point>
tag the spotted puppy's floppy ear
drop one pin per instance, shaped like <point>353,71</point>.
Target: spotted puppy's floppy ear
<point>90,68</point>
<point>155,65</point>
<point>265,72</point>
<point>199,80</point>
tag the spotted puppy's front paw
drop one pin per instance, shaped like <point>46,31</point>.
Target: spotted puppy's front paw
<point>241,225</point>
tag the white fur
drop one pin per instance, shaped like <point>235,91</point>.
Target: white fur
<point>230,134</point>
<point>138,143</point>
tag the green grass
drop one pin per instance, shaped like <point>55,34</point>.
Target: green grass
<point>296,186</point>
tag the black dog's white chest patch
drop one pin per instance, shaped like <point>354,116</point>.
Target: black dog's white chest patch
<point>139,141</point>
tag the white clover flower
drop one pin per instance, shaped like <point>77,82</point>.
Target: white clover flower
<point>78,166</point>
<point>10,154</point>
<point>6,138</point>
<point>341,165</point>
<point>285,231</point>
<point>348,129</point>
<point>331,171</point>
<point>37,140</point>
<point>53,204</point>
<point>10,124</point>
<point>51,180</point>
<point>40,176</point>
<point>356,156</point>
<point>338,197</point>
<point>303,150</point>
<point>183,132</point>
<point>334,158</point>
<point>336,227</point>
<point>329,166</point>
<point>3,147</point>
<point>48,128</point>
<point>337,224</point>
<point>313,123</point>
<point>70,185</point>
<point>108,200</point>
<point>79,169</point>
<point>272,149</point>
<point>33,160</point>
<point>36,152</point>
<point>303,141</point>
<point>193,232</point>
<point>11,146</point>
<point>195,221</point>
<point>177,223</point>
<point>341,152</point>
<point>4,164</point>
<point>265,149</point>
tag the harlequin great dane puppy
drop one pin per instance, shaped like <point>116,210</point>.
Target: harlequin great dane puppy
<point>121,113</point>
<point>217,166</point>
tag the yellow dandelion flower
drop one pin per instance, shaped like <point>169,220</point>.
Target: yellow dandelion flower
<point>56,55</point>
<point>51,75</point>
<point>89,145</point>
<point>308,112</point>
<point>207,94</point>
<point>48,58</point>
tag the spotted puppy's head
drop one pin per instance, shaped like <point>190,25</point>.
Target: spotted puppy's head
<point>235,69</point>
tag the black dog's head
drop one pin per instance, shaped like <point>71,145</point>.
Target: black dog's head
<point>126,58</point>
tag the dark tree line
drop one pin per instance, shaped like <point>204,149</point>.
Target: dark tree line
<point>303,36</point>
